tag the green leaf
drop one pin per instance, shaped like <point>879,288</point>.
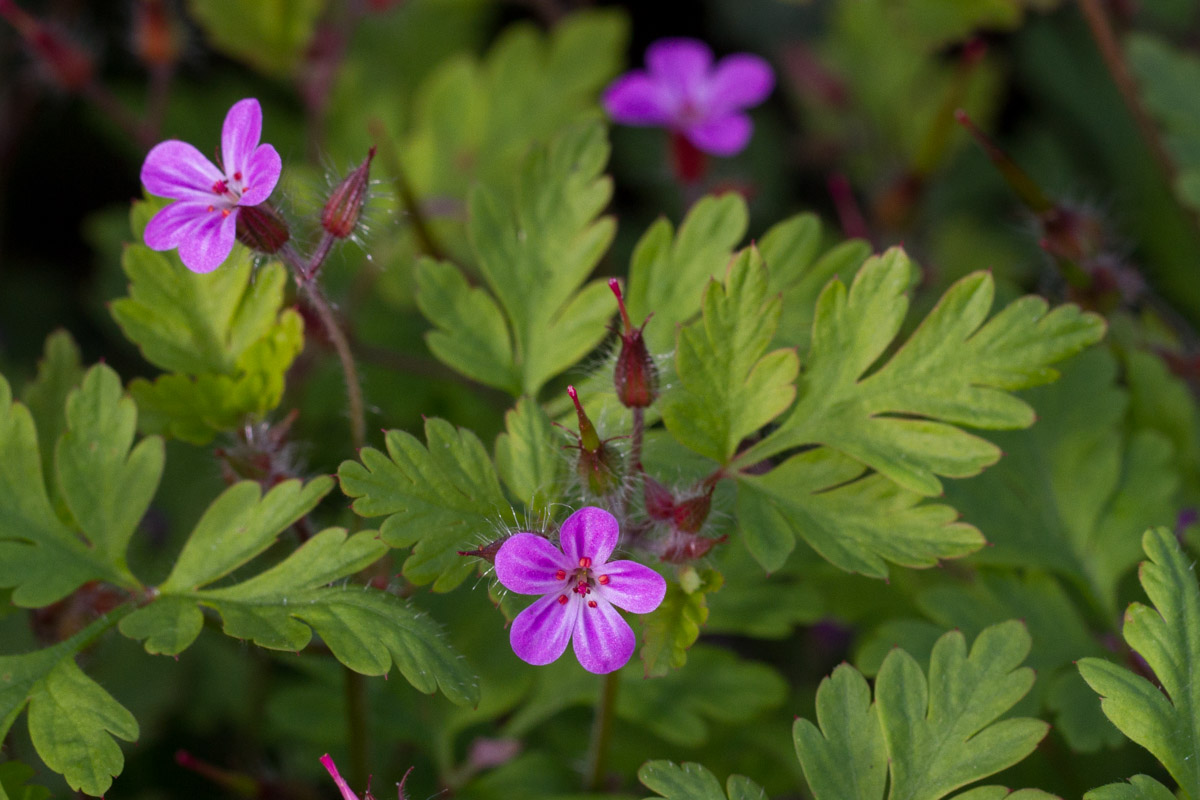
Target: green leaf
<point>1072,491</point>
<point>1167,78</point>
<point>269,35</point>
<point>1139,787</point>
<point>727,388</point>
<point>674,626</point>
<point>902,419</point>
<point>942,734</point>
<point>1166,722</point>
<point>529,458</point>
<point>535,247</point>
<point>71,718</point>
<point>224,337</point>
<point>1004,793</point>
<point>438,500</point>
<point>857,522</point>
<point>14,777</point>
<point>845,759</point>
<point>668,270</point>
<point>691,781</point>
<point>239,525</point>
<point>59,371</point>
<point>44,559</point>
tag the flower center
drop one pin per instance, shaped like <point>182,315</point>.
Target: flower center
<point>582,581</point>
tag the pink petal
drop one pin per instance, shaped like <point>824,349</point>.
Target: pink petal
<point>739,81</point>
<point>681,65</point>
<point>724,136</point>
<point>526,564</point>
<point>177,170</point>
<point>635,99</point>
<point>206,246</point>
<point>540,633</point>
<point>631,586</point>
<point>168,227</point>
<point>343,787</point>
<point>589,533</point>
<point>260,175</point>
<point>240,135</point>
<point>603,641</point>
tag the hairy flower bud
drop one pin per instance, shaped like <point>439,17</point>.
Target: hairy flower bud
<point>69,65</point>
<point>342,209</point>
<point>689,514</point>
<point>261,228</point>
<point>156,35</point>
<point>635,376</point>
<point>599,466</point>
<point>660,503</point>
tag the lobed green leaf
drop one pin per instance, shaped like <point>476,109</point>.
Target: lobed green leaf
<point>691,781</point>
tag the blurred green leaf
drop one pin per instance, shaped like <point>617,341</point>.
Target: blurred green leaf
<point>727,388</point>
<point>269,35</point>
<point>690,781</point>
<point>59,371</point>
<point>14,777</point>
<point>1139,787</point>
<point>674,626</point>
<point>438,500</point>
<point>1165,721</point>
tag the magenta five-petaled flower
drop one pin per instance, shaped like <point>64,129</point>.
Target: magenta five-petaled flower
<point>202,222</point>
<point>581,586</point>
<point>683,91</point>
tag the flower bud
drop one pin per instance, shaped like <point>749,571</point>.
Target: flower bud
<point>634,376</point>
<point>660,503</point>
<point>487,552</point>
<point>261,228</point>
<point>598,465</point>
<point>342,209</point>
<point>69,65</point>
<point>156,36</point>
<point>689,515</point>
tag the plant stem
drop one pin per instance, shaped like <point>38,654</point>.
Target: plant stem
<point>390,160</point>
<point>637,438</point>
<point>606,706</point>
<point>356,726</point>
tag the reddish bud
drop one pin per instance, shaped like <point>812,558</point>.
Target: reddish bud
<point>683,547</point>
<point>1072,235</point>
<point>689,162</point>
<point>634,376</point>
<point>70,66</point>
<point>690,514</point>
<point>156,36</point>
<point>487,552</point>
<point>342,209</point>
<point>660,503</point>
<point>598,465</point>
<point>261,228</point>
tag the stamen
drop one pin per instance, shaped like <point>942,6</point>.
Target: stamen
<point>225,212</point>
<point>237,176</point>
<point>560,575</point>
<point>212,209</point>
<point>220,187</point>
<point>562,599</point>
<point>585,562</point>
<point>602,580</point>
<point>591,603</point>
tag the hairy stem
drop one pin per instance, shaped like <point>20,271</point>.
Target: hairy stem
<point>606,706</point>
<point>412,206</point>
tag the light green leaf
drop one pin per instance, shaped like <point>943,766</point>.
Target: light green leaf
<point>1004,793</point>
<point>14,777</point>
<point>438,500</point>
<point>40,556</point>
<point>691,781</point>
<point>269,35</point>
<point>1139,787</point>
<point>529,457</point>
<point>71,718</point>
<point>674,626</point>
<point>727,388</point>
<point>857,522</point>
<point>168,626</point>
<point>239,525</point>
<point>954,370</point>
<point>1167,77</point>
<point>1166,722</point>
<point>668,273</point>
<point>845,759</point>
<point>943,734</point>
<point>59,371</point>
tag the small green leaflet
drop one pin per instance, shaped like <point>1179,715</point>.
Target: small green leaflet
<point>59,371</point>
<point>931,737</point>
<point>13,783</point>
<point>1164,721</point>
<point>857,522</point>
<point>674,626</point>
<point>691,781</point>
<point>727,388</point>
<point>902,418</point>
<point>104,485</point>
<point>535,247</point>
<point>438,500</point>
<point>269,35</point>
<point>72,720</point>
<point>223,338</point>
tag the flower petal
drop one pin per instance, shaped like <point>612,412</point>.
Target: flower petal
<point>680,65</point>
<point>169,226</point>
<point>632,586</point>
<point>635,99</point>
<point>724,136</point>
<point>590,532</point>
<point>260,175</point>
<point>603,641</point>
<point>540,633</point>
<point>739,81</point>
<point>177,170</point>
<point>206,246</point>
<point>240,135</point>
<point>526,564</point>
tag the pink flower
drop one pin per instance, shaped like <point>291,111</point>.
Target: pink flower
<point>202,222</point>
<point>681,90</point>
<point>581,586</point>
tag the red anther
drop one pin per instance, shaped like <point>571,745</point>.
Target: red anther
<point>562,599</point>
<point>220,187</point>
<point>591,603</point>
<point>560,575</point>
<point>225,212</point>
<point>602,580</point>
<point>212,209</point>
<point>585,562</point>
<point>237,176</point>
